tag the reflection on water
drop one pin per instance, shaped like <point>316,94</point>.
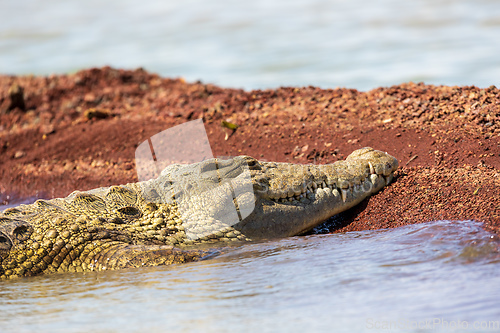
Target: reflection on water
<point>343,283</point>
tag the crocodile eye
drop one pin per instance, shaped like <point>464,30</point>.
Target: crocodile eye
<point>22,232</point>
<point>252,163</point>
<point>5,243</point>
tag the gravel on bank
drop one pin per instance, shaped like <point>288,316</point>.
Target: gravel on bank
<point>80,131</point>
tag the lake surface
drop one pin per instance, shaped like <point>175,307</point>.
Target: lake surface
<point>440,276</point>
<point>260,44</point>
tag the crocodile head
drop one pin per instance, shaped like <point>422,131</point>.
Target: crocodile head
<point>292,199</point>
<point>167,220</point>
<point>269,199</point>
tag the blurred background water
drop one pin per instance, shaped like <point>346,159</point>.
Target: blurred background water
<point>260,44</point>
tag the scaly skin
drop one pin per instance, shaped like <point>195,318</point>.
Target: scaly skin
<point>168,220</point>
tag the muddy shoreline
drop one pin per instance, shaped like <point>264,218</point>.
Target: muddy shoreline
<point>80,131</point>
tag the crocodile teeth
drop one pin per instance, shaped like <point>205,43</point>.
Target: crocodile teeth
<point>314,185</point>
<point>372,169</point>
<point>343,192</point>
<point>323,184</point>
<point>327,190</point>
<point>388,180</point>
<point>374,178</point>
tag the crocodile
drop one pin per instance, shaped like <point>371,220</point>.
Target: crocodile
<point>181,216</point>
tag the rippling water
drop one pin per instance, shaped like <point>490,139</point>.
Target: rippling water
<point>425,274</point>
<point>257,44</point>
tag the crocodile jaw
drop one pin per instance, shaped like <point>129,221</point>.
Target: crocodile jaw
<point>329,190</point>
<point>272,219</point>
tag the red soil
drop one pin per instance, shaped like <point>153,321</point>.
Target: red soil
<point>80,131</point>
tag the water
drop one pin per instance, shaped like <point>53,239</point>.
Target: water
<point>433,274</point>
<point>259,44</point>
